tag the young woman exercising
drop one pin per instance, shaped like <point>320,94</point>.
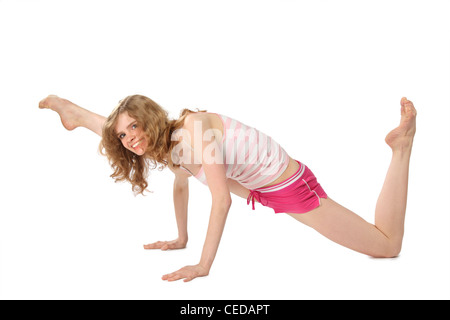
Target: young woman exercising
<point>229,156</point>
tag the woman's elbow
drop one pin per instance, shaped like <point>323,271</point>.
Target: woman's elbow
<point>223,202</point>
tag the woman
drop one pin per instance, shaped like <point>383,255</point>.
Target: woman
<point>229,156</point>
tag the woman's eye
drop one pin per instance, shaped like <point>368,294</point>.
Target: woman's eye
<point>134,126</point>
<point>122,136</point>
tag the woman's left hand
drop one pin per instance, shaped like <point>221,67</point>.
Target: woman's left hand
<point>187,273</point>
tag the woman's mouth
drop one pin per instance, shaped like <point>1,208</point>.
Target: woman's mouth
<point>134,146</point>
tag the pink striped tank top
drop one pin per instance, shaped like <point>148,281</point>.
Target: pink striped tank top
<point>250,157</point>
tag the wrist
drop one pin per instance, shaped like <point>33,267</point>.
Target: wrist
<point>183,239</point>
<point>206,265</point>
<point>204,268</point>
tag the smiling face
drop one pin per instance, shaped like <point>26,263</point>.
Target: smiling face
<point>131,134</point>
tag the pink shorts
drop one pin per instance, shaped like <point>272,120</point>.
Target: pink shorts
<point>298,194</point>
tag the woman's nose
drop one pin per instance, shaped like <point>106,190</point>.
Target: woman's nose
<point>131,137</point>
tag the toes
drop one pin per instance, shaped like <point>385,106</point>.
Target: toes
<point>43,104</point>
<point>410,108</point>
<point>407,107</point>
<point>403,101</point>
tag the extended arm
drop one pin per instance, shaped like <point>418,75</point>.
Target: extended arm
<point>218,217</point>
<point>180,202</point>
<point>221,202</point>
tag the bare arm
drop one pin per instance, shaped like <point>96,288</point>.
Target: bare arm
<point>180,202</point>
<point>221,202</point>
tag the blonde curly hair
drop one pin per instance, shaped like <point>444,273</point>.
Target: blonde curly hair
<point>158,129</point>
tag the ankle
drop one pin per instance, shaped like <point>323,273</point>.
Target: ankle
<point>403,150</point>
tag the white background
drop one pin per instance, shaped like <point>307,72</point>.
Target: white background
<point>324,78</point>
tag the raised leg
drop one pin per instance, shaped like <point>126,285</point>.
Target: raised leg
<point>391,205</point>
<point>72,115</point>
<point>384,239</point>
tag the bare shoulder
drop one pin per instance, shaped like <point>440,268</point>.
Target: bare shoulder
<point>204,121</point>
<point>200,117</point>
<point>179,173</point>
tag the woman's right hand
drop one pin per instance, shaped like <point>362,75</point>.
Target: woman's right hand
<point>167,245</point>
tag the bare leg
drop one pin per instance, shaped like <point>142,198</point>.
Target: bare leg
<point>384,239</point>
<point>391,204</point>
<point>72,115</point>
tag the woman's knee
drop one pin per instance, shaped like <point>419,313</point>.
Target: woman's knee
<point>391,249</point>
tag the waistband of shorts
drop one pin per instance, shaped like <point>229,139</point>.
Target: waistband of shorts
<point>297,175</point>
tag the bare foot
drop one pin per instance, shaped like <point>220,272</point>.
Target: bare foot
<point>402,136</point>
<point>68,111</point>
